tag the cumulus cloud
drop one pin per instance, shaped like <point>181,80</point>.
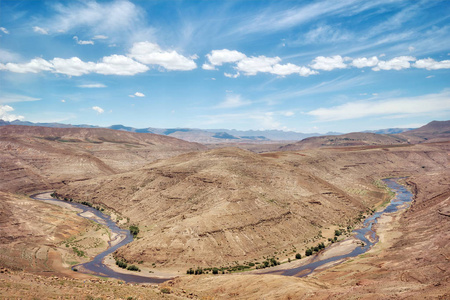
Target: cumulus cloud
<point>328,63</point>
<point>34,66</point>
<point>253,65</point>
<point>98,109</point>
<point>92,85</point>
<point>137,94</point>
<point>40,30</point>
<point>80,42</point>
<point>151,54</point>
<point>219,57</point>
<point>431,64</point>
<point>119,65</point>
<point>232,75</point>
<point>363,62</point>
<point>397,63</point>
<point>4,30</point>
<point>233,101</point>
<point>63,101</point>
<point>431,103</point>
<point>109,65</point>
<point>208,67</point>
<point>6,116</point>
<point>288,113</point>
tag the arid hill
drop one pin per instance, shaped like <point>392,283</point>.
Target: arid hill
<point>36,158</point>
<point>225,205</point>
<point>345,140</point>
<point>435,131</point>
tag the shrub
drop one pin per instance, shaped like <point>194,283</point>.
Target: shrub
<point>308,252</point>
<point>134,230</point>
<point>121,264</point>
<point>298,256</point>
<point>337,232</point>
<point>133,268</point>
<point>165,290</point>
<point>215,271</point>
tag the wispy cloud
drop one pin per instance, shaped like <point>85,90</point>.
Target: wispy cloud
<point>137,94</point>
<point>81,42</point>
<point>4,30</point>
<point>40,30</point>
<point>92,85</point>
<point>13,98</point>
<point>233,101</point>
<point>402,107</point>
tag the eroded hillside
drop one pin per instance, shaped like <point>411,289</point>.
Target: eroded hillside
<point>36,158</point>
<point>225,205</point>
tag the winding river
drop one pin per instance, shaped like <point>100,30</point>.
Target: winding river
<point>366,235</point>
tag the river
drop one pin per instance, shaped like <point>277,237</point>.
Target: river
<point>366,235</point>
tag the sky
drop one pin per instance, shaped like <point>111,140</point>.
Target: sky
<point>305,66</point>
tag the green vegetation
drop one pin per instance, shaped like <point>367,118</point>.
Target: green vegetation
<point>121,263</point>
<point>78,252</point>
<point>134,230</point>
<point>133,268</point>
<point>298,256</point>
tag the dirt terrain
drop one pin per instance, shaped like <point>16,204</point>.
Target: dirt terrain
<point>41,158</point>
<point>436,131</point>
<point>219,207</point>
<point>411,261</point>
<point>214,208</point>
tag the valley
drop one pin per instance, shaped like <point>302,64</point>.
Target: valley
<point>222,207</point>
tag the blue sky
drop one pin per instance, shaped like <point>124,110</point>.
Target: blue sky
<point>307,66</point>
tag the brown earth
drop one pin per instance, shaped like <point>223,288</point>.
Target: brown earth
<point>436,131</point>
<point>411,261</point>
<point>41,158</point>
<point>225,205</point>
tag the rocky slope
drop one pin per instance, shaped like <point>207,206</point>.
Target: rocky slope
<point>225,205</point>
<point>41,158</point>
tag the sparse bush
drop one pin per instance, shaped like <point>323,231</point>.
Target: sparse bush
<point>308,252</point>
<point>165,290</point>
<point>133,268</point>
<point>215,271</point>
<point>298,256</point>
<point>134,230</point>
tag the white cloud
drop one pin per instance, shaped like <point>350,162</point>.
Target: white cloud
<point>232,75</point>
<point>363,62</point>
<point>63,101</point>
<point>397,63</point>
<point>100,37</point>
<point>429,76</point>
<point>288,113</point>
<point>325,34</point>
<point>208,67</point>
<point>328,63</point>
<point>4,30</point>
<point>431,103</point>
<point>119,65</point>
<point>431,64</point>
<point>92,85</point>
<point>6,116</point>
<point>219,57</point>
<point>137,94</point>
<point>12,98</point>
<point>72,66</point>
<point>40,30</point>
<point>80,42</point>
<point>411,48</point>
<point>233,101</point>
<point>253,65</point>
<point>34,66</point>
<point>98,109</point>
<point>151,54</point>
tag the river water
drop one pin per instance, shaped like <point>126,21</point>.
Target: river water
<point>366,235</point>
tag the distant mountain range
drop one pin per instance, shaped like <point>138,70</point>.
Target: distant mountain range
<point>208,135</point>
